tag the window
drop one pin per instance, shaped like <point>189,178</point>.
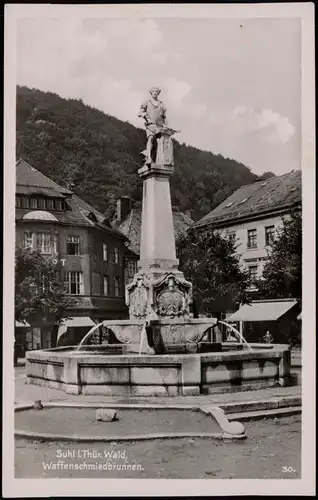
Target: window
<point>229,204</point>
<point>33,203</point>
<point>132,268</point>
<point>24,202</point>
<point>106,286</point>
<point>116,255</point>
<point>44,243</point>
<point>252,271</point>
<point>49,204</point>
<point>28,239</point>
<point>269,235</point>
<point>73,245</point>
<point>105,252</point>
<point>18,202</point>
<point>96,284</point>
<point>231,235</point>
<point>251,238</point>
<point>58,205</point>
<point>41,203</point>
<point>116,286</point>
<point>73,282</point>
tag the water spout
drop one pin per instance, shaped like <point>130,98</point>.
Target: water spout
<point>88,334</point>
<point>235,330</point>
<point>142,337</point>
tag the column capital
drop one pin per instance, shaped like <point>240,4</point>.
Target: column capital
<point>155,170</point>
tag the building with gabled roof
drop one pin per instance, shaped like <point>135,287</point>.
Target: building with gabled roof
<point>263,198</point>
<point>54,220</point>
<point>253,214</point>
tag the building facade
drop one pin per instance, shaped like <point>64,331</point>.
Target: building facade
<point>252,216</point>
<point>55,221</point>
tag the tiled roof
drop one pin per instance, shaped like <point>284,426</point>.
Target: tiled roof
<point>270,195</point>
<point>131,227</point>
<point>37,190</point>
<point>27,176</point>
<point>78,211</point>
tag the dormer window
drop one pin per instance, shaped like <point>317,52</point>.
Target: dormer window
<point>229,204</point>
<point>242,201</point>
<point>25,202</point>
<point>42,204</point>
<point>33,203</point>
<point>92,217</point>
<point>49,205</point>
<point>58,205</point>
<point>264,184</point>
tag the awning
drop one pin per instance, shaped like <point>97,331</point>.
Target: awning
<point>263,311</point>
<point>78,321</point>
<point>23,324</point>
<point>75,321</point>
<point>299,315</point>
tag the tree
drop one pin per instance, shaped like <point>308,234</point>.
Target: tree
<point>211,263</point>
<point>282,273</point>
<point>266,175</point>
<point>39,292</point>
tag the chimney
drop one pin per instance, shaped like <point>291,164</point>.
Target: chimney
<point>195,215</point>
<point>124,206</point>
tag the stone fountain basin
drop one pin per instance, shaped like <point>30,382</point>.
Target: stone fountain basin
<point>90,372</point>
<point>172,330</point>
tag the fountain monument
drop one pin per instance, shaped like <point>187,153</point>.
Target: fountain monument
<point>159,349</point>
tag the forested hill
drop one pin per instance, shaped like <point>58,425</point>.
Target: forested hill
<point>74,143</point>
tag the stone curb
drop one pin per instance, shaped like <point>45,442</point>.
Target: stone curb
<point>132,406</point>
<point>128,437</point>
<point>273,403</point>
<point>259,415</point>
<point>229,408</point>
<point>230,429</point>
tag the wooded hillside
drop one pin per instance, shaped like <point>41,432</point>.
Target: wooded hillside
<point>75,143</point>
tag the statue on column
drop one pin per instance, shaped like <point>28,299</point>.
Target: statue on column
<point>159,143</point>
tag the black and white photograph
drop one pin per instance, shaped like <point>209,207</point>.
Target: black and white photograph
<point>159,249</point>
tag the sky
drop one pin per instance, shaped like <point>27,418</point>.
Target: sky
<point>231,86</point>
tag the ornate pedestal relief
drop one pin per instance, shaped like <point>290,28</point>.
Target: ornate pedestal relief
<point>138,297</point>
<point>165,149</point>
<point>172,296</point>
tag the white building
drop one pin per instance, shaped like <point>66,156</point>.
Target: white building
<point>253,214</point>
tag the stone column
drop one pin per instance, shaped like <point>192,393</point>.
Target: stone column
<point>157,246</point>
<point>159,289</point>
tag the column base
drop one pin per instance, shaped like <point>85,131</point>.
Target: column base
<point>164,265</point>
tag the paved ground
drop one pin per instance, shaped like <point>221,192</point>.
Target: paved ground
<point>271,451</point>
<point>25,393</point>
